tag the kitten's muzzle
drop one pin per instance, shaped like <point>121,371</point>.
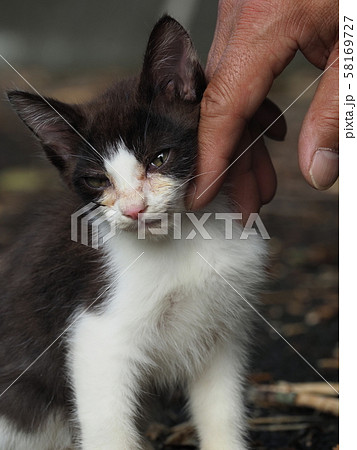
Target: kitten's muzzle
<point>133,211</point>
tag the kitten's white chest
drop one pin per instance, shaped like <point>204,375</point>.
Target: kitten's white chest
<point>179,297</point>
<point>169,306</point>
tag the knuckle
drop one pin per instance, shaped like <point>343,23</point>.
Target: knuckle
<point>326,121</point>
<point>329,123</point>
<point>218,102</point>
<point>214,102</point>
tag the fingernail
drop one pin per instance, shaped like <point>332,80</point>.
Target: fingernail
<point>324,168</point>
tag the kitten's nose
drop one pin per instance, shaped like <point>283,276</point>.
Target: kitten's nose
<point>133,211</point>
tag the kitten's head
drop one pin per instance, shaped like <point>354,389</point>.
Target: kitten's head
<point>134,148</point>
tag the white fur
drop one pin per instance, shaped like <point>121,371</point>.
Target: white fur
<point>169,318</point>
<point>53,435</point>
<point>153,191</point>
<point>124,168</point>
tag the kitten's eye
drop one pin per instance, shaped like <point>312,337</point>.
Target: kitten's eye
<point>160,159</point>
<point>96,182</point>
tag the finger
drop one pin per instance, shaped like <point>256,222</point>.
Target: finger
<point>271,120</point>
<point>243,188</point>
<point>215,154</point>
<point>226,18</point>
<point>252,179</point>
<point>264,172</point>
<point>246,199</point>
<point>318,142</point>
<point>241,182</point>
<point>253,57</point>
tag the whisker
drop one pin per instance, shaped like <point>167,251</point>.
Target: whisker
<point>192,178</point>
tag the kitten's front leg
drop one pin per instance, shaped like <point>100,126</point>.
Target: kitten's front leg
<point>105,382</point>
<point>216,402</point>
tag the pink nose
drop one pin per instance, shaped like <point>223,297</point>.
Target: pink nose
<point>133,211</point>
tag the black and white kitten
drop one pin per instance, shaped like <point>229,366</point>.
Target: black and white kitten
<point>84,332</point>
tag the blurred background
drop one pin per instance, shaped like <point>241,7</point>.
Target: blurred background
<point>72,50</point>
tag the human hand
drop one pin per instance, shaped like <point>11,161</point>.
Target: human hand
<point>254,41</point>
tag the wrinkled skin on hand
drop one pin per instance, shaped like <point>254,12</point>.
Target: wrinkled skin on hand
<point>254,41</point>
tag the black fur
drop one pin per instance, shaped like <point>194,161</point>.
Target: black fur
<point>46,277</point>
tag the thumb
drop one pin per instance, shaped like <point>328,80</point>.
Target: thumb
<point>318,142</point>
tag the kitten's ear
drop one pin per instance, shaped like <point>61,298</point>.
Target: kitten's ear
<point>171,65</point>
<point>51,121</point>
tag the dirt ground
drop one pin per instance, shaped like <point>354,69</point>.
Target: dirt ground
<point>300,300</point>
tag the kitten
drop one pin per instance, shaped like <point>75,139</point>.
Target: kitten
<point>85,332</point>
